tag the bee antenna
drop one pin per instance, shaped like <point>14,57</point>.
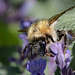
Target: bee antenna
<point>23,30</point>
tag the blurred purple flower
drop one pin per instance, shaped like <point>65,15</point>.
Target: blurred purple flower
<point>26,7</point>
<point>36,67</point>
<point>25,23</point>
<point>25,41</point>
<point>12,59</point>
<point>3,7</point>
<point>15,13</point>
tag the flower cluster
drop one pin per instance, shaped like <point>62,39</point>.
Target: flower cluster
<point>62,60</point>
<point>36,67</point>
<point>24,23</point>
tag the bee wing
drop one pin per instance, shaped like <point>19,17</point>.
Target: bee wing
<point>23,30</point>
<point>54,18</point>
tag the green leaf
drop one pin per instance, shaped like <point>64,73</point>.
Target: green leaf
<point>6,70</point>
<point>66,21</point>
<point>72,64</point>
<point>8,34</point>
<point>6,53</point>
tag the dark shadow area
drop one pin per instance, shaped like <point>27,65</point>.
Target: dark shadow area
<point>57,72</point>
<point>5,53</point>
<point>10,70</point>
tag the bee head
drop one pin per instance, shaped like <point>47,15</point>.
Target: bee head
<point>40,46</point>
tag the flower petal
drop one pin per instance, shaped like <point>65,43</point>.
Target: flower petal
<point>36,66</point>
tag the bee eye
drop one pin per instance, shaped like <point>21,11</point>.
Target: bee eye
<point>44,42</point>
<point>42,49</point>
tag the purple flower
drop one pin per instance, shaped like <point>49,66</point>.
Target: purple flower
<point>52,66</point>
<point>61,58</point>
<point>36,67</point>
<point>25,24</point>
<point>66,71</point>
<point>3,7</point>
<point>68,57</point>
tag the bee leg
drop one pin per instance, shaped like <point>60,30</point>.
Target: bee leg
<point>25,49</point>
<point>31,53</point>
<point>66,40</point>
<point>49,36</point>
<point>63,37</point>
<point>48,54</point>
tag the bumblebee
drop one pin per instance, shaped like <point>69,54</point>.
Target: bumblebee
<point>42,33</point>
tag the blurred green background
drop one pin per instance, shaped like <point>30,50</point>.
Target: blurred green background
<point>11,12</point>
